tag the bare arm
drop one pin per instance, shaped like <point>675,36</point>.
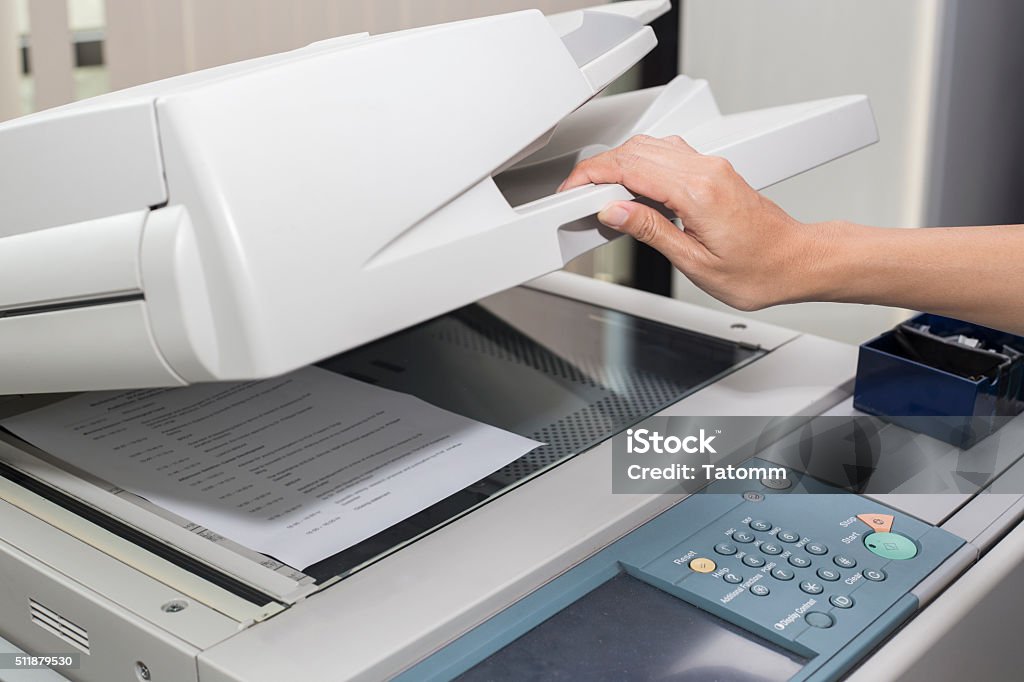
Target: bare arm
<point>747,252</point>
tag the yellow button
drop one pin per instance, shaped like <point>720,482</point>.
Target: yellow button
<point>702,565</point>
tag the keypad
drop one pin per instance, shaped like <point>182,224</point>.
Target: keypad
<point>816,548</point>
<point>874,575</point>
<point>743,536</point>
<point>799,561</point>
<point>811,587</point>
<point>760,590</point>
<point>790,562</point>
<point>788,536</point>
<point>829,574</point>
<point>844,561</point>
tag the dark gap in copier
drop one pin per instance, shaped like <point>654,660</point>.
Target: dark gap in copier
<point>69,305</point>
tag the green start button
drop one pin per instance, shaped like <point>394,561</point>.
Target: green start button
<point>891,546</point>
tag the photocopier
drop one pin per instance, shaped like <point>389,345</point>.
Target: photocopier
<point>386,207</point>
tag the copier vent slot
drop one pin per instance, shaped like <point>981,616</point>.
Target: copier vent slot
<point>58,625</point>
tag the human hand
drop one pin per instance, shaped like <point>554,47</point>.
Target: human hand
<point>736,245</point>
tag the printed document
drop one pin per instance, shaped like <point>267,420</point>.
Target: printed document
<point>298,467</point>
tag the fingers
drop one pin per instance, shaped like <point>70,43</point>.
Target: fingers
<point>610,163</point>
<point>647,225</point>
<point>648,166</point>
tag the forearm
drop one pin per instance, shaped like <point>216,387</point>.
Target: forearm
<point>747,252</point>
<point>972,273</point>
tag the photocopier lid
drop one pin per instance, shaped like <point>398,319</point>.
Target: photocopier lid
<point>244,221</point>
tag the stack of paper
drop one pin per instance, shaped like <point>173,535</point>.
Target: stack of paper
<point>299,467</point>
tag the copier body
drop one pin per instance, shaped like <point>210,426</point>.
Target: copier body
<point>231,225</point>
<point>569,361</point>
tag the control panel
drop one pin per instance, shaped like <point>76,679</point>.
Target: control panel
<point>797,566</point>
<point>807,571</point>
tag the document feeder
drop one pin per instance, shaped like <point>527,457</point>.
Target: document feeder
<point>209,222</point>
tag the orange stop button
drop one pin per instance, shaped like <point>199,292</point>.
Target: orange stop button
<point>880,523</point>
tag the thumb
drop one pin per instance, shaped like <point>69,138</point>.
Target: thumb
<point>644,224</point>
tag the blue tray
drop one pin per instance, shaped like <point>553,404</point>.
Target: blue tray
<point>941,391</point>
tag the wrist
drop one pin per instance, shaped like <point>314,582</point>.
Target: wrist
<point>821,259</point>
<point>847,262</point>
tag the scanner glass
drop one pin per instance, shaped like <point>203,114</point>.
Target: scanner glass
<point>562,372</point>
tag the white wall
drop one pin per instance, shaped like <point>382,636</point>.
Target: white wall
<point>151,39</point>
<point>759,53</point>
<point>10,98</point>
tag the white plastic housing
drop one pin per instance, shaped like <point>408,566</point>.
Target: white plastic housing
<point>272,213</point>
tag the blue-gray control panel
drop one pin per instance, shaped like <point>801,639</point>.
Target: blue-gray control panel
<point>818,573</point>
<point>809,572</point>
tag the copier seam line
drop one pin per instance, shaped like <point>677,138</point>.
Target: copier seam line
<point>70,305</point>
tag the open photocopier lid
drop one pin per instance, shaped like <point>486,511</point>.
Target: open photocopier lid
<point>244,221</point>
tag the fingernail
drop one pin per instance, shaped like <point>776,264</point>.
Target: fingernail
<point>560,187</point>
<point>613,216</point>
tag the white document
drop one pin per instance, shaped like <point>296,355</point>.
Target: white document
<point>299,467</point>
